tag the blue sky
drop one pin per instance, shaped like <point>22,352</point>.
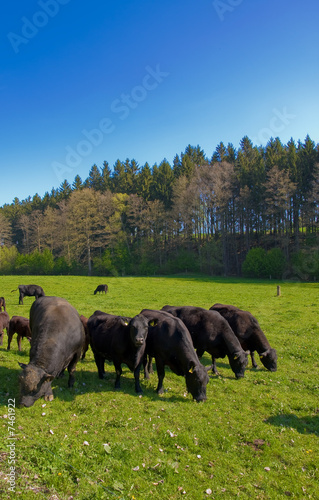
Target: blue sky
<point>82,82</point>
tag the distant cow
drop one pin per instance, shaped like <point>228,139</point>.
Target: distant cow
<point>21,326</point>
<point>4,324</point>
<point>210,332</point>
<point>118,339</point>
<point>2,304</point>
<point>170,343</point>
<point>56,344</point>
<point>87,338</point>
<point>29,291</point>
<point>250,335</point>
<point>101,288</point>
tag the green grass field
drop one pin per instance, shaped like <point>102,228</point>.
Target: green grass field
<point>255,438</point>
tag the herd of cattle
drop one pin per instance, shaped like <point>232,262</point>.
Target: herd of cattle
<point>176,337</point>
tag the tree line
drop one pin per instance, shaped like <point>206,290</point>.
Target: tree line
<point>251,210</point>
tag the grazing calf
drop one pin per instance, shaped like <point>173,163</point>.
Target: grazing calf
<point>118,339</point>
<point>87,338</point>
<point>29,291</point>
<point>2,304</point>
<point>101,288</point>
<point>170,343</point>
<point>56,344</point>
<point>21,326</point>
<point>210,332</point>
<point>4,324</point>
<point>250,335</point>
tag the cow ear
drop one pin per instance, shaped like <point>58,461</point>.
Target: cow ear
<point>263,354</point>
<point>191,368</point>
<point>124,321</point>
<point>47,377</point>
<point>153,322</point>
<point>22,365</point>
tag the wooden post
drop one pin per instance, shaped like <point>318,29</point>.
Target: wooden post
<point>278,291</point>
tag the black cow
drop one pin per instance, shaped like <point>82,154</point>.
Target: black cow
<point>250,335</point>
<point>2,304</point>
<point>29,291</point>
<point>21,326</point>
<point>101,288</point>
<point>210,332</point>
<point>118,339</point>
<point>56,344</point>
<point>170,343</point>
<point>4,324</point>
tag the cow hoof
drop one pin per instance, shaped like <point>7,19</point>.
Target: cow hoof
<point>49,397</point>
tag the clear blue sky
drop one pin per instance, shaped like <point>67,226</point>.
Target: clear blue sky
<point>86,81</point>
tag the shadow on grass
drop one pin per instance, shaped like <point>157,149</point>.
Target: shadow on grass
<point>304,425</point>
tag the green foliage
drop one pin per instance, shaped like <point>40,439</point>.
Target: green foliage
<point>185,261</point>
<point>8,257</point>
<point>35,263</point>
<point>305,264</point>
<point>254,266</point>
<point>275,263</point>
<point>262,264</point>
<point>253,438</point>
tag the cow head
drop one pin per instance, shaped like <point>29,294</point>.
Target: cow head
<point>196,381</point>
<point>139,330</point>
<point>34,383</point>
<point>269,359</point>
<point>238,362</point>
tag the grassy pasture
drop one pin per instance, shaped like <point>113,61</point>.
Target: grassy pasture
<point>254,438</point>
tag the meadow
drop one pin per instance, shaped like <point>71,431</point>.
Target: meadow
<point>254,438</point>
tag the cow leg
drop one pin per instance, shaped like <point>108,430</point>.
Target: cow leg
<point>1,337</point>
<point>118,371</point>
<point>214,369</point>
<point>49,394</point>
<point>148,366</point>
<point>252,355</point>
<point>99,361</point>
<point>85,347</point>
<point>19,342</point>
<point>160,374</point>
<point>10,335</point>
<point>138,388</point>
<point>145,365</point>
<point>21,299</point>
<point>71,370</point>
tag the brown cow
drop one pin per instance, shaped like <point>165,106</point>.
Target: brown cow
<point>19,325</point>
<point>87,337</point>
<point>2,304</point>
<point>4,324</point>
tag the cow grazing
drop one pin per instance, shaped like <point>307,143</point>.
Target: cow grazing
<point>56,344</point>
<point>29,291</point>
<point>118,339</point>
<point>101,288</point>
<point>250,335</point>
<point>4,324</point>
<point>170,343</point>
<point>2,304</point>
<point>21,326</point>
<point>87,337</point>
<point>210,332</point>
